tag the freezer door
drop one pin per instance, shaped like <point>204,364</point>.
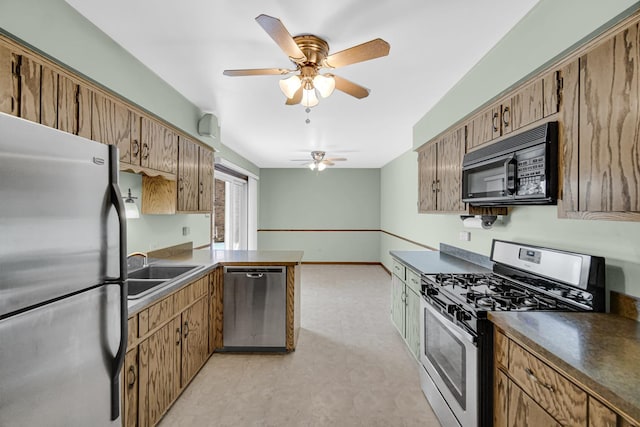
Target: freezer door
<point>59,230</point>
<point>55,361</point>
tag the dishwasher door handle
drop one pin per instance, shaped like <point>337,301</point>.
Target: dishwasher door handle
<point>254,275</point>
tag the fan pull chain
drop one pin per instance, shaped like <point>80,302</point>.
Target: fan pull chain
<point>308,110</point>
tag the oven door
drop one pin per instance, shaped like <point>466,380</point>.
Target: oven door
<point>490,181</point>
<point>450,358</point>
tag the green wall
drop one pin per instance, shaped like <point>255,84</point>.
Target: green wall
<point>335,199</point>
<point>615,240</point>
<point>151,232</point>
<point>549,29</point>
<point>57,30</point>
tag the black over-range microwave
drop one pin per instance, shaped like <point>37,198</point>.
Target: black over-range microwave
<point>519,170</point>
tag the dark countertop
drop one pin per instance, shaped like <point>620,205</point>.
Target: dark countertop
<point>432,262</point>
<point>599,351</point>
<point>208,260</point>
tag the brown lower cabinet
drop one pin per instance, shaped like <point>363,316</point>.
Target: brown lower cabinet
<point>528,391</point>
<point>171,345</point>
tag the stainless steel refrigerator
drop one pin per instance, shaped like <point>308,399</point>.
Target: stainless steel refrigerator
<point>63,302</point>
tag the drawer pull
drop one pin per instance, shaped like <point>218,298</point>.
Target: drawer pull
<point>535,379</point>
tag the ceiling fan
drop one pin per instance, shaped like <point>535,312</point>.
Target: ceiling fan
<point>319,162</point>
<point>310,54</point>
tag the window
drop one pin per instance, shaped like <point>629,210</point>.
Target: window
<point>235,213</point>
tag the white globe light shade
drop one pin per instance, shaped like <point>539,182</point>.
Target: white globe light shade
<point>325,84</point>
<point>290,86</point>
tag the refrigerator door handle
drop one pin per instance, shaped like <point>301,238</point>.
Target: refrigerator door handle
<point>118,360</point>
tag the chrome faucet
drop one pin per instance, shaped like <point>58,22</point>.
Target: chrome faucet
<point>145,258</point>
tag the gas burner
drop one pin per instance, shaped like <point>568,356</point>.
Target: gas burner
<point>488,301</point>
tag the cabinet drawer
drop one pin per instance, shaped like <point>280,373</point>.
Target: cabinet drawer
<point>553,392</point>
<point>160,312</point>
<point>399,270</point>
<point>413,280</point>
<point>190,293</point>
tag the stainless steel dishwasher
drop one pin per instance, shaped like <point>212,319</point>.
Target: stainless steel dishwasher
<point>255,305</point>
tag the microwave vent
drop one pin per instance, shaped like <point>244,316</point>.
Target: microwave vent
<point>537,135</point>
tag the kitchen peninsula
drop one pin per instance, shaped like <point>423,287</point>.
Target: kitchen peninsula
<point>173,330</point>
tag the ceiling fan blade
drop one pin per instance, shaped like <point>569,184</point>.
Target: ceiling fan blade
<point>336,159</point>
<point>297,97</point>
<point>363,52</point>
<point>278,32</point>
<point>257,72</point>
<point>328,162</point>
<point>351,88</point>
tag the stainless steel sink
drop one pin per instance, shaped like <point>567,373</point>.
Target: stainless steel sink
<point>152,278</point>
<point>137,286</point>
<point>161,272</point>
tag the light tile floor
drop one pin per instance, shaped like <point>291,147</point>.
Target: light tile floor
<point>350,368</point>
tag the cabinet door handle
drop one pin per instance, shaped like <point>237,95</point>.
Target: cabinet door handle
<point>437,185</point>
<point>201,187</point>
<point>494,122</point>
<point>180,184</point>
<point>178,335</point>
<point>186,329</point>
<point>403,297</point>
<point>535,379</point>
<point>433,186</point>
<point>506,116</point>
<point>131,377</point>
<point>136,148</point>
<point>145,151</point>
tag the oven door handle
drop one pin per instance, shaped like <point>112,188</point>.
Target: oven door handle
<point>451,326</point>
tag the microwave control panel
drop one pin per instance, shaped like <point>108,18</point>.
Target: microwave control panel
<point>531,179</point>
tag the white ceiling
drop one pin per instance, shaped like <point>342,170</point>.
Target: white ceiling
<point>189,43</point>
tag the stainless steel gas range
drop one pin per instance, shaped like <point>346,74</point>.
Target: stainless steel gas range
<point>456,342</point>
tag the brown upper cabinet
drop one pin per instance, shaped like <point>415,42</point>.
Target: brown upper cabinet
<point>9,81</point>
<point>111,124</point>
<point>28,89</point>
<point>599,148</point>
<point>440,173</point>
<point>187,175</point>
<point>205,180</point>
<point>74,107</point>
<point>195,177</point>
<point>159,149</point>
<point>525,106</point>
<point>485,126</point>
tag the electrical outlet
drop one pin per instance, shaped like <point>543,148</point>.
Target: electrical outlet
<point>186,231</point>
<point>465,236</point>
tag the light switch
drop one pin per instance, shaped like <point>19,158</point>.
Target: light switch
<point>464,236</point>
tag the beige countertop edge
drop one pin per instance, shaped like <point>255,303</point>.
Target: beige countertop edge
<point>612,398</point>
<point>212,260</point>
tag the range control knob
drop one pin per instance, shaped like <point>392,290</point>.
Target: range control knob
<point>453,309</point>
<point>462,316</point>
<point>432,291</point>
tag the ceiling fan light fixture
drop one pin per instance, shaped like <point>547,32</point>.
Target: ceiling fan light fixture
<point>309,98</point>
<point>325,84</point>
<point>312,166</point>
<point>290,86</point>
<point>321,167</point>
